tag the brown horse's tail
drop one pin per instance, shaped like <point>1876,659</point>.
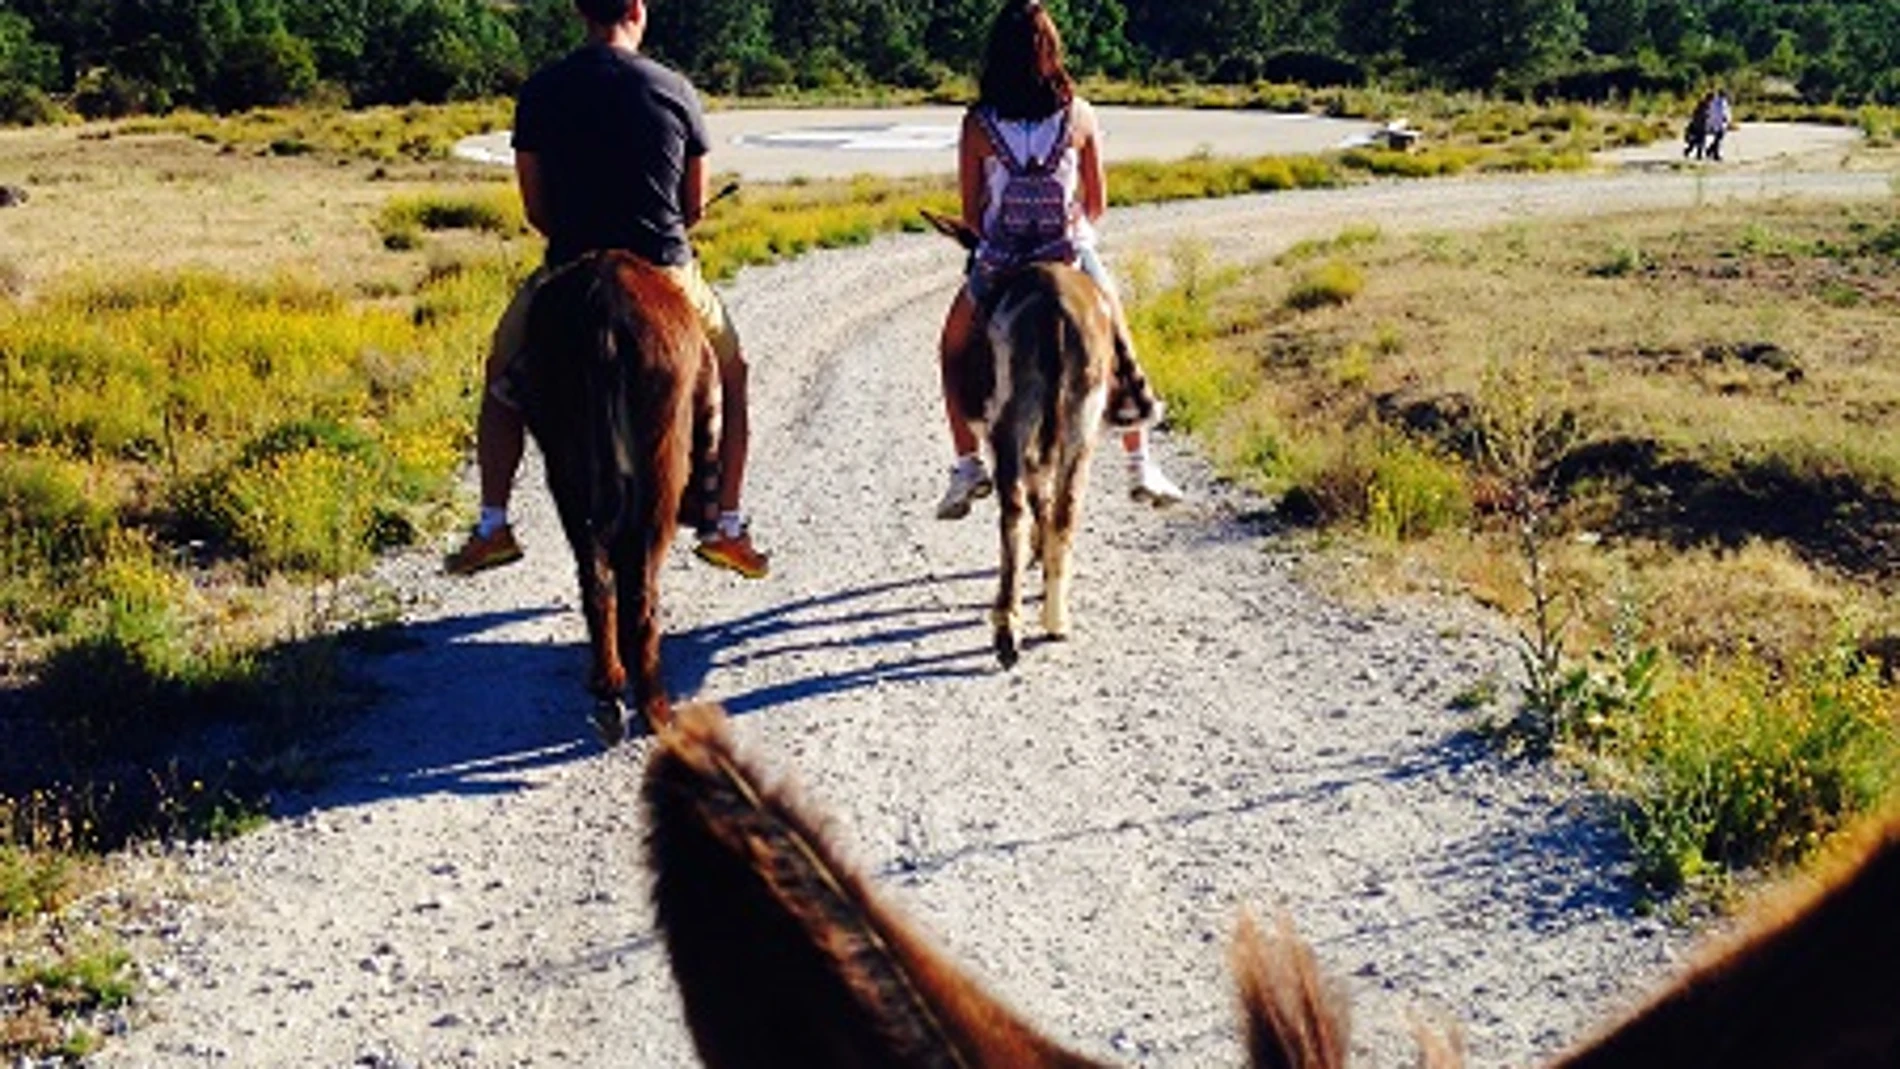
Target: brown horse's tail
<point>611,327</point>
<point>781,953</point>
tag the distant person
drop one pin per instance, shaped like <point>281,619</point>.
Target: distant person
<point>1027,116</point>
<point>1695,137</point>
<point>1719,123</point>
<point>610,153</point>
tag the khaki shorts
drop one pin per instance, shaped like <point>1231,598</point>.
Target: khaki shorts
<point>511,333</point>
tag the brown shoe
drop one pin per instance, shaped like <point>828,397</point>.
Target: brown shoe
<point>734,554</point>
<point>478,554</point>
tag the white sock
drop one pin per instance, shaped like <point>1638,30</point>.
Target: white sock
<point>731,524</point>
<point>970,464</point>
<point>493,519</point>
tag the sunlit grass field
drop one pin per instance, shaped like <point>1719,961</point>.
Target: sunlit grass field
<point>1673,463</point>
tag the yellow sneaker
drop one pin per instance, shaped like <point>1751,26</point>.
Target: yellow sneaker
<point>734,554</point>
<point>478,553</point>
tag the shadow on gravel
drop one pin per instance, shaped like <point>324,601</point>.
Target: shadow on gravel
<point>458,715</point>
<point>897,616</point>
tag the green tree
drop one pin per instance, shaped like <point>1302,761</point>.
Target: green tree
<point>1479,43</point>
<point>338,32</point>
<point>24,59</point>
<point>547,30</point>
<point>264,69</point>
<point>1615,27</point>
<point>715,41</point>
<point>1096,34</point>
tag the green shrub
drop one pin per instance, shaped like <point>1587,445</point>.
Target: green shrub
<point>31,882</point>
<point>1335,282</point>
<point>26,105</point>
<point>309,496</point>
<point>1414,492</point>
<point>495,211</point>
<point>92,979</point>
<point>1741,764</point>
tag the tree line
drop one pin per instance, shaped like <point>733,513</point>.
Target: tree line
<point>116,57</point>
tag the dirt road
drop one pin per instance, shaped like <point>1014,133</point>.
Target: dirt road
<point>1081,831</point>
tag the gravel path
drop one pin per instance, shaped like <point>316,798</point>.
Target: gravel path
<point>1081,831</point>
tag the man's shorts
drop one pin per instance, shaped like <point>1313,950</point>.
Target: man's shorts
<point>511,333</point>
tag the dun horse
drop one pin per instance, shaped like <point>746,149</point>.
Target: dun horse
<point>621,392</point>
<point>785,956</point>
<point>1040,378</point>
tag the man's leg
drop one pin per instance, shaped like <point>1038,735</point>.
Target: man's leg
<point>500,439</point>
<point>729,544</point>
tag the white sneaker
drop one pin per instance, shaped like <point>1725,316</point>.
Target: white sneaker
<point>1148,484</point>
<point>968,481</point>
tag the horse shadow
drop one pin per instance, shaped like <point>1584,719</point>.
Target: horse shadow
<point>458,713</point>
<point>833,622</point>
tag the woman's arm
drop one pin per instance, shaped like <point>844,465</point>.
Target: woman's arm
<point>1087,136</point>
<point>973,147</point>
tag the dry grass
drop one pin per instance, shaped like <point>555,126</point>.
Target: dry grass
<point>1712,481</point>
<point>160,201</point>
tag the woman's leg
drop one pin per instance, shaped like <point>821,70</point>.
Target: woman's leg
<point>1146,481</point>
<point>958,363</point>
<point>959,330</point>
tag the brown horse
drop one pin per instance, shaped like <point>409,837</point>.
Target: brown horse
<point>1040,378</point>
<point>785,956</point>
<point>621,392</point>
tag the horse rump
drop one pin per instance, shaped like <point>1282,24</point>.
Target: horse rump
<point>1052,337</point>
<point>620,391</point>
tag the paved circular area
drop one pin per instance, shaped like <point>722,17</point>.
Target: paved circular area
<point>775,145</point>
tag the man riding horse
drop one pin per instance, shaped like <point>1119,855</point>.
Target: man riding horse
<point>610,153</point>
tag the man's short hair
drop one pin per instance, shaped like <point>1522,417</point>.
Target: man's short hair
<point>604,12</point>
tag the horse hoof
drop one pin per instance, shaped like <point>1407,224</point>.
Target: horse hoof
<point>1056,625</point>
<point>610,721</point>
<point>1006,652</point>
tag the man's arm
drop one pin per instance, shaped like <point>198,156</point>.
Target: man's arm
<point>693,190</point>
<point>533,194</point>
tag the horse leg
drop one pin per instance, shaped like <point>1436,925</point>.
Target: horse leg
<point>642,625</point>
<point>1006,615</point>
<point>608,681</point>
<point>1058,545</point>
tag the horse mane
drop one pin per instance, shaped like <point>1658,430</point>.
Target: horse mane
<point>1814,981</point>
<point>782,954</point>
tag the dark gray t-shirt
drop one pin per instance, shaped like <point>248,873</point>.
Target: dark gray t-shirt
<point>612,131</point>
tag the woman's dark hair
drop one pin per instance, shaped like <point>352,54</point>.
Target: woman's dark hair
<point>1023,76</point>
<point>604,12</point>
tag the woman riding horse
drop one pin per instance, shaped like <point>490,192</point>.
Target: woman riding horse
<point>1028,115</point>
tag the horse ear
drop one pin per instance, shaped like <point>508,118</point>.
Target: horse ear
<point>954,229</point>
<point>782,955</point>
<point>1292,1016</point>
